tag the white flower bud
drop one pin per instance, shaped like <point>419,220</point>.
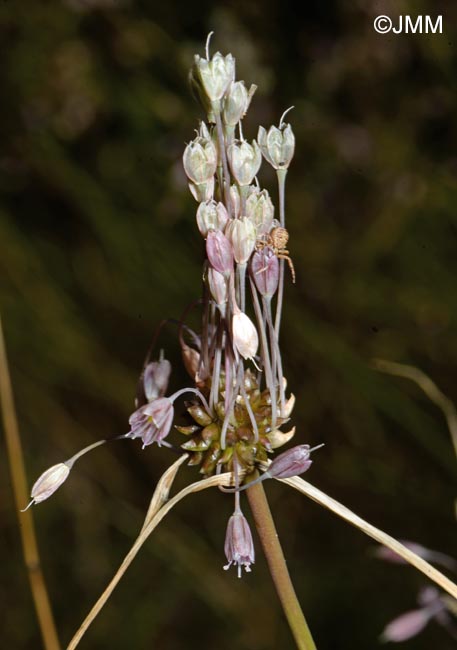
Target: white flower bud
<point>211,216</point>
<point>237,102</point>
<point>242,234</point>
<point>49,482</point>
<point>245,337</point>
<point>245,160</point>
<point>277,145</point>
<point>261,210</point>
<point>200,160</point>
<point>214,75</point>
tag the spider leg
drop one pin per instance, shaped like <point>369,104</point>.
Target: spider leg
<point>282,256</point>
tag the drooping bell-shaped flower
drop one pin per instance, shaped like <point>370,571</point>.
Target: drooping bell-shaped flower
<point>155,379</point>
<point>245,337</point>
<point>218,286</point>
<point>239,547</point>
<point>152,422</point>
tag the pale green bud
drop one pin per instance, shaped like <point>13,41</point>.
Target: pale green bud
<point>277,145</point>
<point>242,235</point>
<point>211,216</point>
<point>245,160</point>
<point>236,102</point>
<point>200,159</point>
<point>214,75</point>
<point>260,209</point>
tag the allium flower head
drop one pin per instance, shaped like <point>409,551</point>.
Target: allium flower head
<point>152,422</point>
<point>239,547</point>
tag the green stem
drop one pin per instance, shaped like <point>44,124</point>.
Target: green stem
<point>278,568</point>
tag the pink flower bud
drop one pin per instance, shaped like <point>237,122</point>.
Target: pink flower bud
<point>245,160</point>
<point>48,483</point>
<point>218,286</point>
<point>200,160</point>
<point>242,235</point>
<point>245,337</point>
<point>406,626</point>
<point>265,271</point>
<point>220,252</point>
<point>211,216</point>
<point>152,422</point>
<point>155,379</point>
<point>239,547</point>
<point>277,145</point>
<point>292,462</point>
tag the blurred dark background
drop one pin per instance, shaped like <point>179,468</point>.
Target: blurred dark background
<point>99,243</point>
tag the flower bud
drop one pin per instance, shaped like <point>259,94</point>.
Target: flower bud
<point>202,192</point>
<point>261,210</point>
<point>245,337</point>
<point>48,483</point>
<point>155,379</point>
<point>239,547</point>
<point>292,462</point>
<point>265,271</point>
<point>200,160</point>
<point>237,102</point>
<point>214,75</point>
<point>218,286</point>
<point>406,626</point>
<point>245,160</point>
<point>219,251</point>
<point>152,422</point>
<point>211,216</point>
<point>242,234</point>
<point>277,145</point>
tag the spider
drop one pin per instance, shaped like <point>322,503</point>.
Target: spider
<point>277,240</point>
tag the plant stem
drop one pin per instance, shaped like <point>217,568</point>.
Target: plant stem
<point>277,565</point>
<point>21,495</point>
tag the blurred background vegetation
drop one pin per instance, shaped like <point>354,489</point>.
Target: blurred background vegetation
<point>98,243</point>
